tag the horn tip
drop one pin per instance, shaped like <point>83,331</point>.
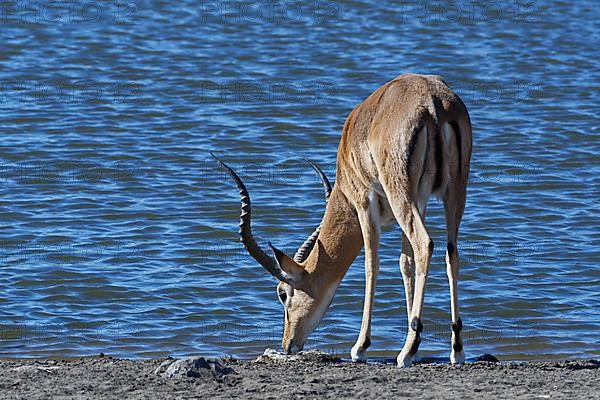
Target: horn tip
<point>215,157</point>
<point>309,161</point>
<point>276,251</point>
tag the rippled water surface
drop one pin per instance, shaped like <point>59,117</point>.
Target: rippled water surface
<point>119,233</point>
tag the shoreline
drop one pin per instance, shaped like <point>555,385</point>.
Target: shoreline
<point>318,376</point>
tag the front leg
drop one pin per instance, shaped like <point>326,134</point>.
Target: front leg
<point>371,228</point>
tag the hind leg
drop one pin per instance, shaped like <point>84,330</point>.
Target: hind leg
<point>407,267</point>
<point>454,205</point>
<point>413,226</point>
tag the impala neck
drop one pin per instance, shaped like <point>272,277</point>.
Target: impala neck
<point>340,242</point>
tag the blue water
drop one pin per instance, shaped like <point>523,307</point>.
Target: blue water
<point>119,233</point>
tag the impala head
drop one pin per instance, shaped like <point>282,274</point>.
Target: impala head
<point>304,305</point>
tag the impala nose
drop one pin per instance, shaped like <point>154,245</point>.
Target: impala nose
<point>292,348</point>
<point>295,348</point>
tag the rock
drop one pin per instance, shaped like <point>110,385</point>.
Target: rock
<point>34,369</point>
<point>581,364</point>
<point>192,367</point>
<point>271,355</point>
<point>162,368</point>
<point>486,358</point>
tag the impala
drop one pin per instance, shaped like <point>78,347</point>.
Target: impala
<point>408,140</point>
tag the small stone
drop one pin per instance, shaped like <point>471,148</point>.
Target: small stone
<point>486,358</point>
<point>163,366</point>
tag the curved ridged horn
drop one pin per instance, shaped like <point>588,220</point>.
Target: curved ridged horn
<point>246,237</point>
<point>308,245</point>
<point>324,180</point>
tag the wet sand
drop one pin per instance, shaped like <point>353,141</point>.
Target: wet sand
<point>110,378</point>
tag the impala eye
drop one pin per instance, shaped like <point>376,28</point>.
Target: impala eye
<point>282,296</point>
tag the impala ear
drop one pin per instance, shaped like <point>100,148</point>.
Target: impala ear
<point>294,271</point>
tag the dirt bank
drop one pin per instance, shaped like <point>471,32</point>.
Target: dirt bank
<point>109,378</point>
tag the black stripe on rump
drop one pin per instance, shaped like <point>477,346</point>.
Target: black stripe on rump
<point>412,145</point>
<point>439,159</point>
<point>426,159</point>
<point>458,136</point>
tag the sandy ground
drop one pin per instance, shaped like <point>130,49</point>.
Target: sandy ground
<point>109,378</point>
